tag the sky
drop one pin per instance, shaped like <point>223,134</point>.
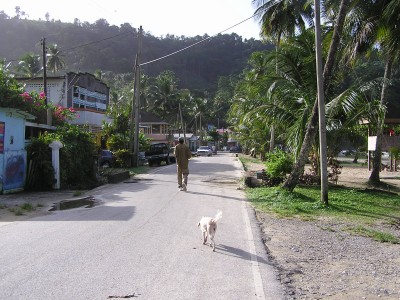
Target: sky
<point>157,17</point>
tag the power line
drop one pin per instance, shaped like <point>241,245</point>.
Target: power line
<point>154,60</point>
<point>84,45</point>
<point>98,41</point>
<point>199,42</point>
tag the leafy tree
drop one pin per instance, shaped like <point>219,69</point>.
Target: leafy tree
<point>311,130</point>
<point>264,99</point>
<point>214,135</point>
<point>165,95</point>
<point>281,19</point>
<point>77,163</point>
<point>39,154</point>
<point>29,65</point>
<point>384,16</point>
<point>10,90</point>
<point>55,61</point>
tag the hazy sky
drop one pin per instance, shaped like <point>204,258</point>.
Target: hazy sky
<point>158,17</point>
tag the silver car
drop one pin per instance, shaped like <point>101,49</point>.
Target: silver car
<point>204,151</point>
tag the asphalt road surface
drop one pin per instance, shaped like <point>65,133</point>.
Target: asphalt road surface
<point>141,241</point>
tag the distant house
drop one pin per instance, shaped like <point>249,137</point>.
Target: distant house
<point>13,158</point>
<point>85,93</point>
<point>154,128</point>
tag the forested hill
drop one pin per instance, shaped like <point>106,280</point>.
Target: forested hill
<point>99,46</point>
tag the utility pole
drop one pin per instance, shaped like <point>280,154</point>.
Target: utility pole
<point>136,103</point>
<point>44,68</point>
<point>321,106</point>
<point>201,138</point>
<point>183,127</point>
<point>44,54</point>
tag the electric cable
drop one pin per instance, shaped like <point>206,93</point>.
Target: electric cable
<point>132,32</point>
<point>197,43</point>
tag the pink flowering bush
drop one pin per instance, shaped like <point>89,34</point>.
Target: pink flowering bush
<point>35,104</point>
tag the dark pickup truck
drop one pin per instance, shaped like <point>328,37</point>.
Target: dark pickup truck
<point>158,153</point>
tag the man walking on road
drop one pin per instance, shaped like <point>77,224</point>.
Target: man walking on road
<point>182,155</point>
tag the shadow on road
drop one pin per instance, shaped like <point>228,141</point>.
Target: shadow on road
<point>239,253</point>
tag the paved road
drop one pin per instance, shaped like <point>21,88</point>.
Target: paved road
<point>141,241</point>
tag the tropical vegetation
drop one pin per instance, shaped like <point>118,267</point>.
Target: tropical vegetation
<point>279,90</point>
<point>267,94</point>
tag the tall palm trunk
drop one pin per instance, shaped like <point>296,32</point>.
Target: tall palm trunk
<point>311,131</point>
<point>374,178</point>
<point>272,128</point>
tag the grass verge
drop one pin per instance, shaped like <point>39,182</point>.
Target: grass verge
<point>362,209</point>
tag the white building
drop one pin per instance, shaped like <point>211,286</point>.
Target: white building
<point>85,93</point>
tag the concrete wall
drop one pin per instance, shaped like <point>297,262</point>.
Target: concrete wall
<point>13,157</point>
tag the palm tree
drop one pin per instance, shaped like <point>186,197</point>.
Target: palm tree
<point>165,95</point>
<point>29,65</point>
<point>389,38</point>
<point>55,60</point>
<point>375,26</point>
<point>280,18</point>
<point>264,98</point>
<point>311,131</point>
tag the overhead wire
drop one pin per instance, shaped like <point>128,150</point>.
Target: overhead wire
<point>84,45</point>
<point>197,43</point>
<point>154,60</point>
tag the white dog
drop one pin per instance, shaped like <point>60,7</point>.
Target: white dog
<point>208,227</point>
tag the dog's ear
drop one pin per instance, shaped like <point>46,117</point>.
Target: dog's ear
<point>198,224</point>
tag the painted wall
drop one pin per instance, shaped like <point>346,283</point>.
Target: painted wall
<point>13,154</point>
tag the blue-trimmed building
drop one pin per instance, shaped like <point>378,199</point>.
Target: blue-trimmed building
<point>85,93</point>
<point>12,149</point>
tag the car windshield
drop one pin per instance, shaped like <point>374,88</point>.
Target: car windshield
<point>203,148</point>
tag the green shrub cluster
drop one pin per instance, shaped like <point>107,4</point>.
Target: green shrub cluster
<point>278,164</point>
<point>77,158</point>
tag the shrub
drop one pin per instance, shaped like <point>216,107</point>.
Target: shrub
<point>122,158</point>
<point>77,157</point>
<point>41,171</point>
<point>278,164</point>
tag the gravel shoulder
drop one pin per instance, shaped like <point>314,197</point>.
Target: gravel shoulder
<point>320,260</point>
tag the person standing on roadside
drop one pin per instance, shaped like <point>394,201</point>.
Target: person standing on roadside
<point>182,156</point>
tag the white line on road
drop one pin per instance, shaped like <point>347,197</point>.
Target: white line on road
<point>254,261</point>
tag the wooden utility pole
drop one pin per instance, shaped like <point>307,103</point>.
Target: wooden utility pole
<point>183,127</point>
<point>321,106</point>
<point>136,103</point>
<point>44,68</point>
<point>49,115</point>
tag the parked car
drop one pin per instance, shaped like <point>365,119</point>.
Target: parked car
<point>235,149</point>
<point>204,151</point>
<point>172,157</point>
<point>346,152</point>
<point>214,149</point>
<point>106,159</point>
<point>158,153</point>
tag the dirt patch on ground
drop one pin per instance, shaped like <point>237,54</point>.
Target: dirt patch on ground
<point>321,260</point>
<point>24,205</point>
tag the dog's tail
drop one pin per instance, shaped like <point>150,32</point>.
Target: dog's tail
<point>217,217</point>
